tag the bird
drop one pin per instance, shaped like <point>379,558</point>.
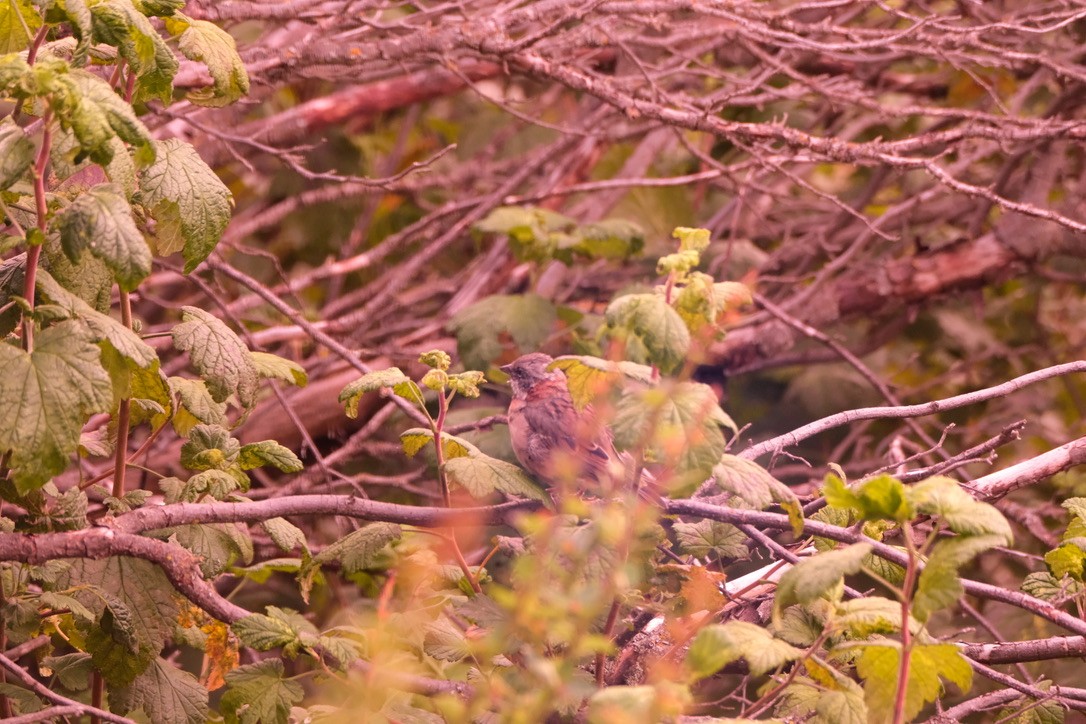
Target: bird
<point>554,441</point>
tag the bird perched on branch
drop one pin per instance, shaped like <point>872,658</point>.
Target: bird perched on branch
<point>552,439</point>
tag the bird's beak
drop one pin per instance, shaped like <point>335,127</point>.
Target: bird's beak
<point>507,369</point>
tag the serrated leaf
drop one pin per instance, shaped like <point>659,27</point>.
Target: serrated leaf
<point>879,667</point>
<point>860,618</point>
<point>1045,586</point>
<point>88,106</point>
<point>190,204</point>
<point>60,601</point>
<point>101,221</point>
<point>482,475</point>
<point>750,483</point>
<point>502,323</point>
<point>220,357</point>
<point>417,438</point>
<point>610,239</point>
<point>1076,507</point>
<point>663,702</point>
<point>209,44</point>
<point>285,534</point>
<point>21,701</point>
<point>653,332</point>
<point>16,149</point>
<point>881,498</point>
<point>140,585</point>
<point>115,646</point>
<point>99,327</point>
<point>812,577</point>
<point>259,693</point>
<point>120,24</point>
<point>392,379</point>
<point>72,670</point>
<point>939,585</point>
<point>943,497</point>
<point>535,234</point>
<point>264,633</point>
<point>588,377</point>
<point>711,536</point>
<point>209,447</point>
<point>686,423</point>
<point>165,693</point>
<point>1067,560</point>
<point>274,367</point>
<point>268,452</point>
<point>717,645</point>
<point>217,545</point>
<point>45,397</point>
<point>19,20</point>
<point>445,641</point>
<point>799,625</point>
<point>196,400</point>
<point>359,550</point>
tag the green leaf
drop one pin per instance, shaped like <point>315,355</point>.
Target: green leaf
<point>115,646</point>
<point>881,498</point>
<point>209,447</point>
<point>218,355</point>
<point>392,379</point>
<point>274,367</point>
<point>360,549</point>
<point>22,701</point>
<point>285,534</point>
<point>879,667</point>
<point>16,149</point>
<point>481,475</point>
<point>939,586</point>
<point>268,452</point>
<point>800,625</point>
<point>417,438</point>
<point>260,693</point>
<point>663,702</point>
<point>589,377</point>
<point>18,23</point>
<point>717,645</point>
<point>711,536</point>
<point>88,106</point>
<point>196,401</point>
<point>1045,586</point>
<point>1032,711</point>
<point>943,497</point>
<point>499,324</point>
<point>45,398</point>
<point>281,628</point>
<point>118,23</point>
<point>165,693</point>
<point>190,204</point>
<point>863,617</point>
<point>1067,560</point>
<point>1076,507</point>
<point>97,326</point>
<point>685,421</point>
<point>217,545</point>
<point>100,220</point>
<point>534,233</point>
<point>209,44</point>
<point>750,483</point>
<point>811,578</point>
<point>653,332</point>
<point>79,19</point>
<point>72,670</point>
<point>610,239</point>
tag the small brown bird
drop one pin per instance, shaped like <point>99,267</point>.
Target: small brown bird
<point>551,439</point>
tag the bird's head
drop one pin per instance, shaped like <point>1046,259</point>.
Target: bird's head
<point>529,370</point>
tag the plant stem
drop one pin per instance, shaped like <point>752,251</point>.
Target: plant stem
<point>906,635</point>
<point>436,426</point>
<point>33,254</point>
<point>123,414</point>
<point>608,629</point>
